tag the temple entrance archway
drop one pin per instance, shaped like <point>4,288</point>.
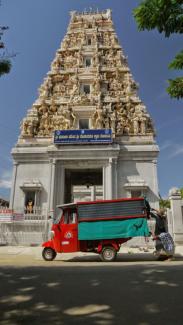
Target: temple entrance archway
<point>83,184</point>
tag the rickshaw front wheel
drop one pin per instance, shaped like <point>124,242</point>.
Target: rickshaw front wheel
<point>108,254</point>
<point>48,254</point>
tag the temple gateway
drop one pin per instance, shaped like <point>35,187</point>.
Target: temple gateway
<point>88,135</point>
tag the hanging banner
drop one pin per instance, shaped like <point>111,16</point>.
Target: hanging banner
<point>83,136</point>
<point>8,216</point>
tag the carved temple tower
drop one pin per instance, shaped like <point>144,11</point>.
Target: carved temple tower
<point>88,88</point>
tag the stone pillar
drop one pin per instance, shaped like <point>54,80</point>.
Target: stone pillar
<point>15,166</point>
<point>62,177</point>
<point>59,185</point>
<point>51,187</point>
<point>115,196</point>
<point>170,222</point>
<point>177,215</point>
<point>93,193</point>
<point>109,180</point>
<point>155,178</point>
<point>104,183</point>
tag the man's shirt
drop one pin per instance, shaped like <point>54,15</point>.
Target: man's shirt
<point>167,242</point>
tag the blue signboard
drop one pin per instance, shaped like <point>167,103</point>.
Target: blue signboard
<point>83,136</point>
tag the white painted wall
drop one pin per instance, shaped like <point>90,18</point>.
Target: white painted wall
<point>142,170</point>
<point>30,171</point>
<point>118,162</point>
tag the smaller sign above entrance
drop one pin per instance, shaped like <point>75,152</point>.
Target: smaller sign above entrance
<point>83,136</point>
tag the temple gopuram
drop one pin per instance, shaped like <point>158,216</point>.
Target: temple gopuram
<point>88,135</point>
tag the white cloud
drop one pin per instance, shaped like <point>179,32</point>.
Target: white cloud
<point>5,184</point>
<point>166,145</point>
<point>174,149</point>
<point>5,180</point>
<point>177,151</point>
<point>169,123</point>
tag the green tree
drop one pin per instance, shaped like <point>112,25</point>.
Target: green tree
<point>5,57</point>
<point>181,192</point>
<point>164,203</point>
<point>5,66</point>
<point>167,17</point>
<point>5,63</point>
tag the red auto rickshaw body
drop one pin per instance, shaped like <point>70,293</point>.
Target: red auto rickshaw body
<point>65,239</point>
<point>65,228</point>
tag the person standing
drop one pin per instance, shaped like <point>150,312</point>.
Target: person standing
<point>164,243</point>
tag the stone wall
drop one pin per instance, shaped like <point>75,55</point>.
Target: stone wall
<point>175,216</point>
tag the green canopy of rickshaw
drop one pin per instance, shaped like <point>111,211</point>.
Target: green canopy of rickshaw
<point>111,229</point>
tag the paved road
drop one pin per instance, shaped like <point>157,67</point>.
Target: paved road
<point>136,289</point>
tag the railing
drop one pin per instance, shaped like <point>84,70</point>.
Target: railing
<point>4,208</point>
<point>20,228</point>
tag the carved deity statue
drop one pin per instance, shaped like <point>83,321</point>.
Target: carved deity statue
<point>57,88</point>
<point>70,61</point>
<point>140,120</point>
<point>55,65</point>
<point>107,122</point>
<point>96,58</point>
<point>79,59</point>
<point>96,84</point>
<point>97,119</point>
<point>44,127</point>
<point>110,59</point>
<point>29,207</point>
<point>28,126</point>
<point>118,58</point>
<point>72,118</point>
<point>24,127</point>
<point>46,88</point>
<point>120,125</point>
<point>113,39</point>
<point>135,121</point>
<point>143,121</point>
<point>73,40</point>
<point>113,121</point>
<point>106,38</point>
<point>75,87</point>
<point>53,107</point>
<point>61,122</point>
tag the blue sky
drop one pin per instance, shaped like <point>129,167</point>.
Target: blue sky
<point>36,30</point>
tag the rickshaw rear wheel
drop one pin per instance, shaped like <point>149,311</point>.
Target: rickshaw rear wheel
<point>48,254</point>
<point>108,254</point>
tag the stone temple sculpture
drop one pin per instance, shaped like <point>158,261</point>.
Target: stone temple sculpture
<point>90,51</point>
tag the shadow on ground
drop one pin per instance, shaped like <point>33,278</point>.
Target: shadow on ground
<point>121,257</point>
<point>103,294</point>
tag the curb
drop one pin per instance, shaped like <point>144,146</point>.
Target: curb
<point>36,251</point>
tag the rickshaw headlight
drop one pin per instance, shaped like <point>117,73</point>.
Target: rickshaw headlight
<point>52,234</point>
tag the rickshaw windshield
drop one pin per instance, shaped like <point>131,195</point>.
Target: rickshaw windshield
<point>58,216</point>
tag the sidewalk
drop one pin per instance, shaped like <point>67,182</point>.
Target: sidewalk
<point>36,252</point>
